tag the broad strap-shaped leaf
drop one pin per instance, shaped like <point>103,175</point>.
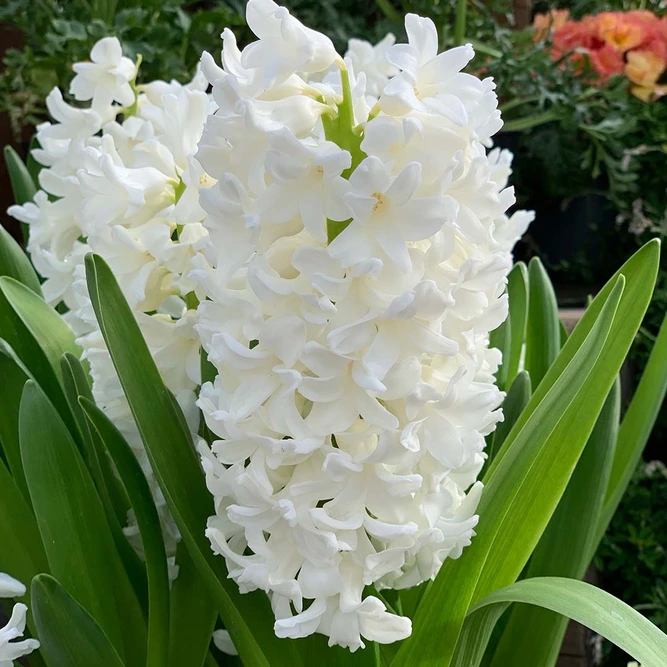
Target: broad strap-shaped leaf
<point>572,433</point>
<point>15,263</point>
<point>108,486</point>
<point>69,635</point>
<point>516,400</point>
<point>19,338</point>
<point>23,186</point>
<point>596,609</point>
<point>44,323</point>
<point>501,338</point>
<point>193,614</point>
<point>635,429</point>
<point>517,292</point>
<point>14,375</point>
<point>148,522</point>
<point>543,327</point>
<point>95,455</point>
<point>572,392</point>
<point>74,529</point>
<point>22,553</point>
<point>31,164</point>
<point>536,635</point>
<point>39,337</point>
<point>75,383</point>
<point>641,271</point>
<point>169,448</point>
<point>520,494</point>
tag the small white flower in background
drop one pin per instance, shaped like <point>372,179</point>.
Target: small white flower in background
<point>352,276</point>
<point>127,188</point>
<point>11,650</point>
<point>106,79</point>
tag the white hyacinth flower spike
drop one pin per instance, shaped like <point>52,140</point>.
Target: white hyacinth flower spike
<point>356,260</point>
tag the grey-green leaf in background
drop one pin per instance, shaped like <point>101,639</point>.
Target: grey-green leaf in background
<point>14,375</point>
<point>543,326</point>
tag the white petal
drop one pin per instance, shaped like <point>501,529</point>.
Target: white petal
<point>10,587</point>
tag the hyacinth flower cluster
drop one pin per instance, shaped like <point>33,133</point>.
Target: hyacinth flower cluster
<point>119,179</point>
<point>356,259</point>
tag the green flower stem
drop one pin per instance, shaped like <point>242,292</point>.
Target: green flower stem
<point>521,124</point>
<point>179,189</point>
<point>132,110</point>
<point>517,102</point>
<point>481,47</point>
<point>341,130</point>
<point>390,11</point>
<point>460,25</point>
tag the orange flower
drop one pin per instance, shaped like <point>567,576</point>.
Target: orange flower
<point>607,61</point>
<point>620,32</point>
<point>543,24</point>
<point>633,42</point>
<point>644,68</point>
<point>575,35</point>
<point>649,93</point>
<point>645,15</point>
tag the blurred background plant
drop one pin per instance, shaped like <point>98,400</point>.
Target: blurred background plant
<point>169,34</point>
<point>632,558</point>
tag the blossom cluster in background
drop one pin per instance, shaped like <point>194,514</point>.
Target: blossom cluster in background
<point>632,44</point>
<point>118,179</point>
